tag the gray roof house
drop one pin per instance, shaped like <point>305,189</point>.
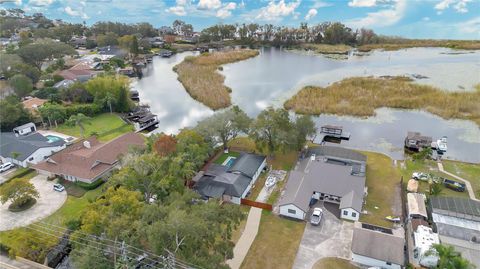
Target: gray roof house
<point>233,183</point>
<point>31,147</point>
<point>332,174</point>
<point>378,247</point>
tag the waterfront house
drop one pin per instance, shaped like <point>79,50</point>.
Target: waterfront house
<point>416,141</point>
<point>331,174</point>
<point>89,160</point>
<point>25,146</point>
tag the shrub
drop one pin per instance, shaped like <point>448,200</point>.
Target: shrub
<point>90,186</point>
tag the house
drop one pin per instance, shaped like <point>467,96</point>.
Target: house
<point>231,184</point>
<point>457,221</point>
<point>424,239</point>
<point>64,84</point>
<point>33,103</point>
<point>89,160</point>
<point>378,247</point>
<point>25,146</point>
<point>331,174</point>
<point>112,50</point>
<point>416,208</point>
<point>77,74</point>
<point>416,141</point>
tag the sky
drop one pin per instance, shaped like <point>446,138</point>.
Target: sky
<point>438,19</point>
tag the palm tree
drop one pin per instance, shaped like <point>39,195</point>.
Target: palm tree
<point>449,258</point>
<point>435,188</point>
<point>79,120</point>
<point>109,99</point>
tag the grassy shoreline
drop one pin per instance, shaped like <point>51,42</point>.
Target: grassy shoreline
<point>360,96</point>
<point>325,48</point>
<point>427,43</point>
<point>200,78</point>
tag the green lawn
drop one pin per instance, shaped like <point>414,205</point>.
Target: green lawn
<point>224,156</point>
<point>276,243</point>
<point>337,263</point>
<point>107,126</point>
<point>468,171</point>
<point>382,179</point>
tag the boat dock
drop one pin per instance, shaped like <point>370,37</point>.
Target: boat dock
<point>142,118</point>
<point>330,131</point>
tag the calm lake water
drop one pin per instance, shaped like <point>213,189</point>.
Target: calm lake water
<point>275,75</point>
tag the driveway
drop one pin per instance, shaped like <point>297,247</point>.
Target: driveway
<point>6,175</point>
<point>332,238</point>
<point>49,202</point>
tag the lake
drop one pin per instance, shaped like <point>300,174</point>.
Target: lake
<point>275,75</point>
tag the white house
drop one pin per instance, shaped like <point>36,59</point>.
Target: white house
<point>424,239</point>
<point>24,146</point>
<point>332,174</point>
<point>374,246</point>
<point>231,184</point>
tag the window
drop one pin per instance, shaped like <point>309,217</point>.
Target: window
<point>389,263</point>
<point>345,212</point>
<point>291,211</point>
<point>30,159</point>
<point>354,214</point>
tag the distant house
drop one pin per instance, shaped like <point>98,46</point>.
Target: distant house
<point>32,104</point>
<point>77,74</point>
<point>331,174</point>
<point>78,42</point>
<point>66,83</point>
<point>113,50</point>
<point>231,184</point>
<point>416,141</point>
<point>24,146</point>
<point>89,160</point>
<point>378,247</point>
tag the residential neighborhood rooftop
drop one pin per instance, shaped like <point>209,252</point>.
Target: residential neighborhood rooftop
<point>24,145</point>
<point>456,207</point>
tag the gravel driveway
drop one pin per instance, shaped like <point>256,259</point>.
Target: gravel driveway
<point>332,238</point>
<point>49,202</point>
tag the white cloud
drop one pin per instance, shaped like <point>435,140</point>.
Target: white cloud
<point>319,4</point>
<point>459,5</point>
<point>225,11</point>
<point>470,27</point>
<point>383,17</point>
<point>177,10</point>
<point>275,10</point>
<point>362,3</point>
<point>72,12</point>
<point>310,14</point>
<point>209,4</point>
<point>40,3</point>
<point>425,18</point>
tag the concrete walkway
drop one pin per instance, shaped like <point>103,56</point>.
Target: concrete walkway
<point>471,193</point>
<point>251,229</point>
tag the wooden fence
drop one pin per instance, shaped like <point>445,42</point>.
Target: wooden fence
<point>256,204</point>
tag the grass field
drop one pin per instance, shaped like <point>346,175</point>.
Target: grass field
<point>468,171</point>
<point>107,126</point>
<point>382,180</point>
<point>454,44</point>
<point>276,243</point>
<point>200,78</point>
<point>326,48</point>
<point>333,263</point>
<point>224,156</point>
<point>360,96</point>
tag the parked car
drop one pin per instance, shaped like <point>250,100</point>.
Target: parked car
<point>420,176</point>
<point>6,166</point>
<point>454,185</point>
<point>316,217</point>
<point>58,187</point>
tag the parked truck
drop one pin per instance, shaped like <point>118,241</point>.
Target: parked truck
<point>454,185</point>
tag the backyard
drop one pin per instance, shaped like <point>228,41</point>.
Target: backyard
<point>337,263</point>
<point>222,158</point>
<point>107,127</point>
<point>467,171</point>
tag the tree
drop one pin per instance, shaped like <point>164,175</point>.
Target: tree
<point>18,191</point>
<point>109,100</point>
<point>12,113</point>
<point>272,129</point>
<point>165,145</point>
<point>449,258</point>
<point>225,125</point>
<point>124,102</point>
<point>40,51</point>
<point>15,154</point>
<point>79,120</point>
<point>21,84</point>
<point>108,39</point>
<point>304,127</point>
<point>435,188</point>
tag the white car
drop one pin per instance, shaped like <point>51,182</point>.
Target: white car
<point>6,166</point>
<point>58,187</point>
<point>316,217</point>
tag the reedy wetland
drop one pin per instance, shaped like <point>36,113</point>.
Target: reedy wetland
<point>360,96</point>
<point>199,76</point>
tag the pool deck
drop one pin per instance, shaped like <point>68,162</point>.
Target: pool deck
<point>63,136</point>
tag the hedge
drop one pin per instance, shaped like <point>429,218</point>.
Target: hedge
<point>90,186</point>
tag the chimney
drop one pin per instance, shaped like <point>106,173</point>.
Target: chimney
<point>86,144</point>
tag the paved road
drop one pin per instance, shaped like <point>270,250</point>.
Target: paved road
<point>471,193</point>
<point>6,175</point>
<point>332,238</point>
<point>49,202</point>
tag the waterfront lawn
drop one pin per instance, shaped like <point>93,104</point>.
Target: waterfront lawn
<point>360,96</point>
<point>276,243</point>
<point>337,263</point>
<point>200,78</point>
<point>224,156</point>
<point>382,182</point>
<point>107,127</point>
<point>467,171</point>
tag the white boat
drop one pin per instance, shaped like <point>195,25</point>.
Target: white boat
<point>442,144</point>
<point>270,182</point>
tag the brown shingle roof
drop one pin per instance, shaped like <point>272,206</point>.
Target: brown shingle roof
<point>73,74</point>
<point>33,103</point>
<point>88,163</point>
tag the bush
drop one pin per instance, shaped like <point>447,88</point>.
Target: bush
<point>73,224</point>
<point>90,186</point>
<point>23,206</point>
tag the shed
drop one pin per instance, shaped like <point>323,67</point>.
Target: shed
<point>416,205</point>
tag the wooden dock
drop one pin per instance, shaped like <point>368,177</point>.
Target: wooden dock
<point>330,131</point>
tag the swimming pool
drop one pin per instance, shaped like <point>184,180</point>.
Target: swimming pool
<point>229,161</point>
<point>53,138</point>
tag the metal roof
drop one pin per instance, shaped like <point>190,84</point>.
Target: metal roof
<point>247,164</point>
<point>416,204</point>
<point>338,153</point>
<point>456,207</point>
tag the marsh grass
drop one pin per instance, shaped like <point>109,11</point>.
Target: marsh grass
<point>326,48</point>
<point>360,96</point>
<point>408,43</point>
<point>200,78</point>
